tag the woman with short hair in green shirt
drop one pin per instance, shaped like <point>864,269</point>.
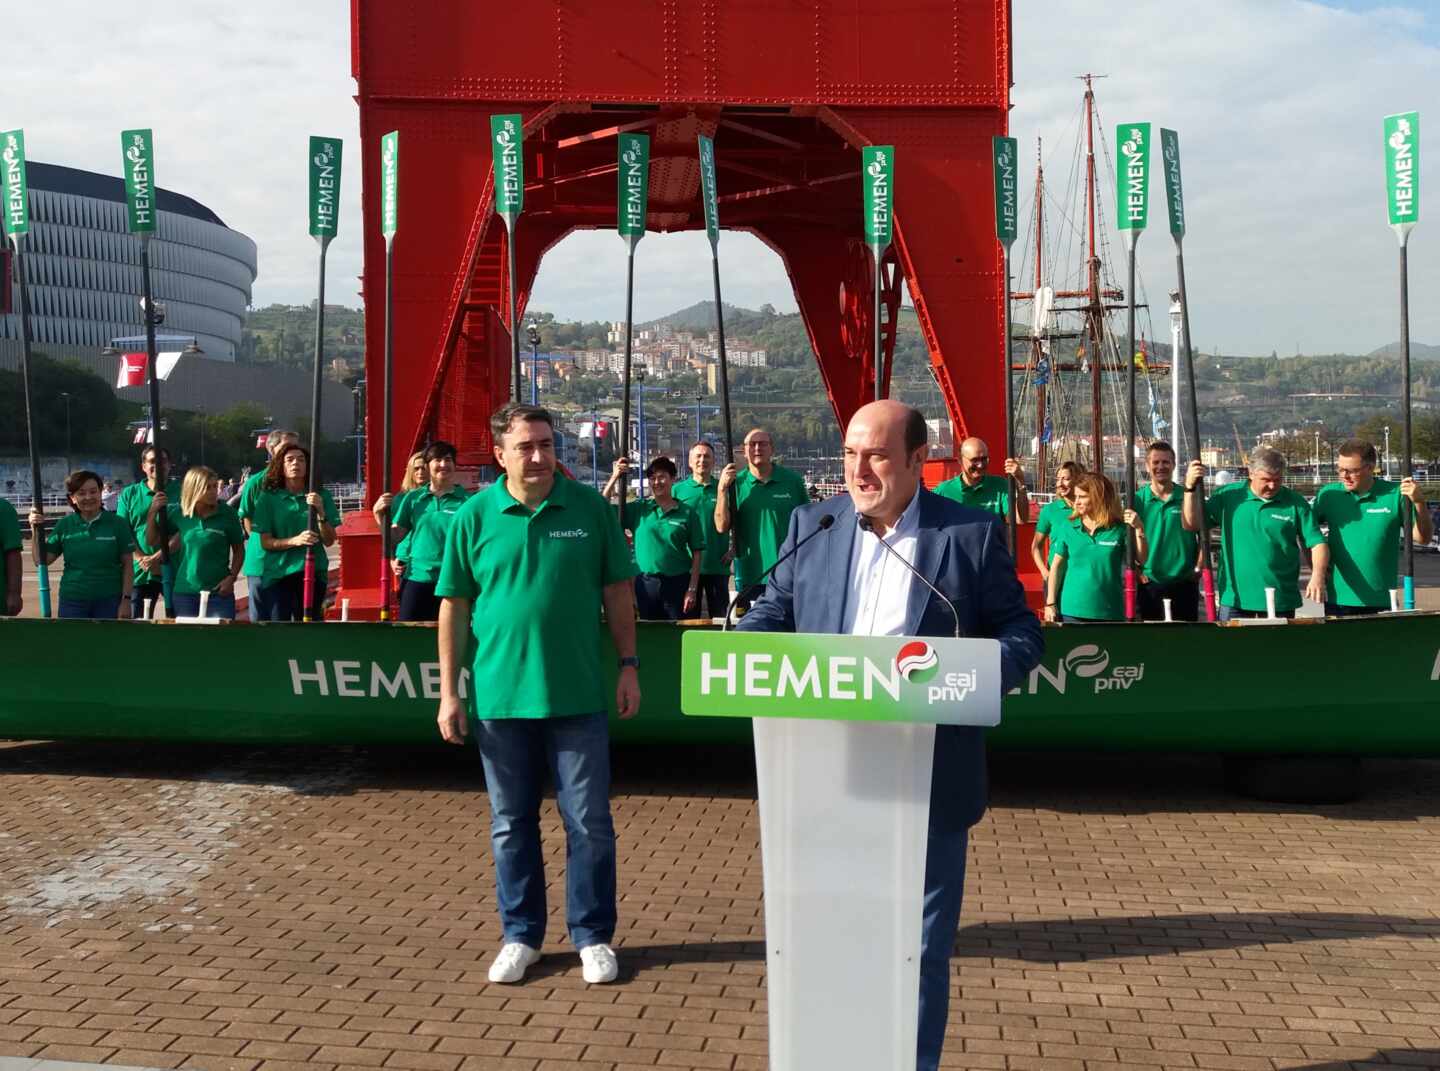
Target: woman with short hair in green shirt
<point>1087,560</point>
<point>207,545</point>
<point>282,517</point>
<point>98,548</point>
<point>416,476</point>
<point>1054,514</point>
<point>669,542</point>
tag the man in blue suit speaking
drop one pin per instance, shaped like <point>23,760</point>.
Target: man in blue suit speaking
<point>846,583</point>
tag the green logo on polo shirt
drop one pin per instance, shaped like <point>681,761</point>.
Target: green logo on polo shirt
<point>570,533</point>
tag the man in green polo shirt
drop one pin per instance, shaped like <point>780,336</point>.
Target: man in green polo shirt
<point>1170,565</point>
<point>1262,526</point>
<point>10,560</point>
<point>700,492</point>
<point>765,496</point>
<point>977,490</point>
<point>1364,517</point>
<point>527,566</point>
<point>154,579</point>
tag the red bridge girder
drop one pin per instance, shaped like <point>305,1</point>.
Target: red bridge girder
<point>791,93</point>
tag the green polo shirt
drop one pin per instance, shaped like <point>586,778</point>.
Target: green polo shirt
<point>1093,583</point>
<point>1172,550</point>
<point>94,553</point>
<point>535,583</point>
<point>701,498</point>
<point>665,540</point>
<point>9,538</point>
<point>205,542</point>
<point>762,517</point>
<point>1365,533</point>
<point>991,494</point>
<point>1258,544</point>
<point>400,552</point>
<point>133,505</point>
<point>245,509</point>
<point>282,514</point>
<point>427,519</point>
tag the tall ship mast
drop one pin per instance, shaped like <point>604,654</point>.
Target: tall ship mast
<point>1072,364</point>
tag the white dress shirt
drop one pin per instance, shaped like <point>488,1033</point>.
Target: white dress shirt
<point>879,586</point>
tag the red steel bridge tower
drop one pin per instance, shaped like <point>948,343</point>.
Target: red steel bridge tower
<point>791,92</point>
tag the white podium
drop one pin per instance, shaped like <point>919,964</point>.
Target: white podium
<point>844,745</point>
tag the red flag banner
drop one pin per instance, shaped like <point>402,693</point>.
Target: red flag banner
<point>132,371</point>
<point>260,441</point>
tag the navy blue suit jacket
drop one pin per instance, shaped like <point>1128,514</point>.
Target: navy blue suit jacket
<point>963,552</point>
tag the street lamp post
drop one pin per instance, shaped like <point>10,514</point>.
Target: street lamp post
<point>202,435</point>
<point>532,329</point>
<point>1387,451</point>
<point>639,375</point>
<point>357,392</point>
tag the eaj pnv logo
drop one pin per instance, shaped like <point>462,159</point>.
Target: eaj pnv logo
<point>1088,663</point>
<point>917,662</point>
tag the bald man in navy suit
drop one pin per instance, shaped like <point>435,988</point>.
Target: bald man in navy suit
<point>845,583</point>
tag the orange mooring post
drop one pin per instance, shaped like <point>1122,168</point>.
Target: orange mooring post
<point>791,95</point>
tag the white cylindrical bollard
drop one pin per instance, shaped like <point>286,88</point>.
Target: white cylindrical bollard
<point>1270,603</point>
<point>145,610</point>
<point>1167,610</point>
<point>204,605</point>
<point>344,609</point>
<point>1394,600</point>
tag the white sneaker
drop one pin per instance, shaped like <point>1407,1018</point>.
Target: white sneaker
<point>598,964</point>
<point>511,963</point>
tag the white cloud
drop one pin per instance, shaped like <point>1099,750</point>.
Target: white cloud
<point>1278,103</point>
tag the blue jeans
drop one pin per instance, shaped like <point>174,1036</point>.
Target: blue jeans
<point>576,750</point>
<point>1234,613</point>
<point>1334,609</point>
<point>661,598</point>
<point>106,609</point>
<point>257,605</point>
<point>220,606</point>
<point>945,849</point>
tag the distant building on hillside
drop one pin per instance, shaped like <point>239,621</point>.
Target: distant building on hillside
<point>83,266</point>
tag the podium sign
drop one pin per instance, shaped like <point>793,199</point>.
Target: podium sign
<point>844,749</point>
<point>899,679</point>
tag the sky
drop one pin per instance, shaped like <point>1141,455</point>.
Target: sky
<point>1278,104</point>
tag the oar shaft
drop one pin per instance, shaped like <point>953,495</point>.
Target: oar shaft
<point>1207,575</point>
<point>312,475</point>
<point>724,396</point>
<point>510,288</point>
<point>879,355</point>
<point>37,500</point>
<point>1406,518</point>
<point>386,412</point>
<point>1011,520</point>
<point>1130,502</point>
<point>161,472</point>
<point>625,400</point>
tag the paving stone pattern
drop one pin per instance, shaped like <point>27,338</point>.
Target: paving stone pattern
<point>231,909</point>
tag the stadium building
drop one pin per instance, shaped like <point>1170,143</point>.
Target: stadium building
<point>83,267</point>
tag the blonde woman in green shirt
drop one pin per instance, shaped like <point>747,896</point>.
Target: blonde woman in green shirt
<point>1054,514</point>
<point>1087,562</point>
<point>207,545</point>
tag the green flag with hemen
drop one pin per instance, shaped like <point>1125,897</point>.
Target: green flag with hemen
<point>389,184</point>
<point>1006,208</point>
<point>507,138</point>
<point>633,185</point>
<point>1402,170</point>
<point>325,156</point>
<point>709,196</point>
<point>17,198</point>
<point>877,171</point>
<point>1132,201</point>
<point>1174,191</point>
<point>138,150</point>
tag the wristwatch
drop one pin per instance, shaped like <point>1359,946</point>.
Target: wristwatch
<point>629,663</point>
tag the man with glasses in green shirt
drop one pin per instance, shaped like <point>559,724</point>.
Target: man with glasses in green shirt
<point>1262,526</point>
<point>527,566</point>
<point>765,496</point>
<point>977,490</point>
<point>154,579</point>
<point>1364,515</point>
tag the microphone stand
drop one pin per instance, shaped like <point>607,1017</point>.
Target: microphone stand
<point>823,525</point>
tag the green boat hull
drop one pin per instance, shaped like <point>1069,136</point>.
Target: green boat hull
<point>1351,686</point>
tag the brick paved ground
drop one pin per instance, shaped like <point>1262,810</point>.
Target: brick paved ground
<point>223,908</point>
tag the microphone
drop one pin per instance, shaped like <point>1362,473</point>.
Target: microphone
<point>867,525</point>
<point>822,525</point>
